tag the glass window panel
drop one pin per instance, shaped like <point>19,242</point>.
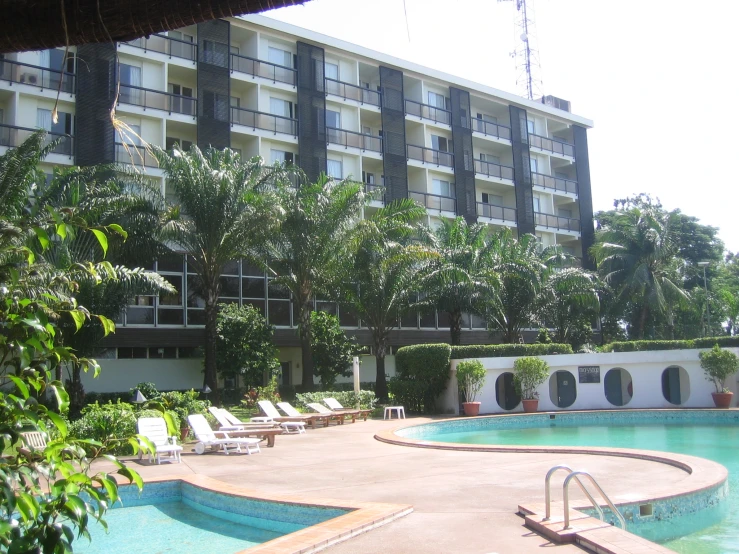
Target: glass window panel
<point>231,268</point>
<point>171,263</point>
<point>229,286</point>
<point>174,298</point>
<point>328,307</point>
<point>139,316</point>
<point>332,71</point>
<point>128,352</point>
<point>143,301</point>
<point>333,119</point>
<point>279,312</point>
<point>166,352</point>
<point>443,320</point>
<point>258,304</point>
<point>276,291</point>
<point>465,321</point>
<point>253,288</point>
<point>478,322</point>
<point>428,319</point>
<point>248,268</point>
<point>277,106</point>
<point>171,317</point>
<point>409,320</point>
<point>347,318</point>
<point>195,317</point>
<point>190,352</point>
<point>279,56</point>
<point>334,169</point>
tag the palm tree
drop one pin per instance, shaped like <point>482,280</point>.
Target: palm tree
<point>309,247</point>
<point>569,299</point>
<point>227,208</point>
<point>381,282</point>
<point>637,255</point>
<point>462,273</point>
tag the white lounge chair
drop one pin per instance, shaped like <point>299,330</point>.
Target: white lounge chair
<point>207,437</point>
<point>338,416</point>
<point>334,405</point>
<point>269,409</point>
<point>229,422</point>
<point>155,429</point>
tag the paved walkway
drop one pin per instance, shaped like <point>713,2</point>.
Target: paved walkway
<point>463,501</point>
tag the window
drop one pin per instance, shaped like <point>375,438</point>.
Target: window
<point>43,119</point>
<point>561,175</point>
<point>486,117</point>
<point>131,137</point>
<point>130,75</point>
<point>366,130</point>
<point>490,158</point>
<point>180,102</point>
<point>184,49</point>
<point>184,144</point>
<point>534,165</point>
<point>63,126</point>
<point>443,188</point>
<point>565,213</point>
<point>368,178</point>
<point>56,61</point>
<point>278,106</point>
<point>235,102</point>
<point>333,119</point>
<point>530,126</point>
<point>334,169</point>
<point>494,199</point>
<point>438,100</point>
<point>215,105</point>
<point>279,56</point>
<point>280,156</point>
<point>215,53</point>
<point>537,204</point>
<point>440,143</point>
<point>331,71</point>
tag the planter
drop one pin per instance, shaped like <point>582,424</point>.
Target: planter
<point>530,406</point>
<point>471,408</point>
<point>722,399</point>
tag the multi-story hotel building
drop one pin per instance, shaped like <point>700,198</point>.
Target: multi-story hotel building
<point>267,88</point>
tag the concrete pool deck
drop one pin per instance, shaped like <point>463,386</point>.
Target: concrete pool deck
<point>462,500</point>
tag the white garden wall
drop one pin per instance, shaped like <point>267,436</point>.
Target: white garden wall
<point>645,369</point>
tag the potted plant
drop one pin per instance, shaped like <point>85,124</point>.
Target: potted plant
<point>470,378</point>
<point>528,373</point>
<point>718,365</point>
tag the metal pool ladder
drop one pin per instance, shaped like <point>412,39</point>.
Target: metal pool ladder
<point>575,475</point>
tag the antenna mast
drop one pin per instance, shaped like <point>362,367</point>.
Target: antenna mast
<point>526,53</point>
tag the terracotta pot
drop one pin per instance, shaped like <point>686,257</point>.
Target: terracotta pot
<point>471,408</point>
<point>530,406</point>
<point>722,399</point>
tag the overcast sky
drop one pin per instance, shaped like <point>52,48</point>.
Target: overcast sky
<point>658,78</point>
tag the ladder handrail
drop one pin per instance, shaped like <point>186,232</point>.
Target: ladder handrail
<point>548,494</point>
<point>566,496</point>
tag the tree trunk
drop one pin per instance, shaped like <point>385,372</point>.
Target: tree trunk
<point>211,336</point>
<point>642,321</point>
<point>455,327</point>
<point>305,345</point>
<point>381,379</point>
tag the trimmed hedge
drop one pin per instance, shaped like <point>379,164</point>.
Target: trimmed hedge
<point>422,372</point>
<point>723,342</point>
<point>643,345</point>
<point>508,350</point>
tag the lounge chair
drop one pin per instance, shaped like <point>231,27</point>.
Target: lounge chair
<point>334,405</point>
<point>269,409</point>
<point>338,416</point>
<point>34,441</point>
<point>207,437</point>
<point>155,429</point>
<point>230,422</point>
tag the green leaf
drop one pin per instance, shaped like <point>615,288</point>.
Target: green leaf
<point>102,239</point>
<point>58,422</point>
<point>118,229</point>
<point>132,476</point>
<point>62,398</point>
<point>27,506</point>
<point>42,236</point>
<point>61,230</point>
<point>171,427</point>
<point>108,325</point>
<point>76,508</point>
<point>22,387</point>
<point>78,317</point>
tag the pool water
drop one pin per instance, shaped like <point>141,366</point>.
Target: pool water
<point>715,441</point>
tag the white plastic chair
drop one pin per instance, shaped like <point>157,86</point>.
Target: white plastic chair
<point>207,437</point>
<point>155,429</point>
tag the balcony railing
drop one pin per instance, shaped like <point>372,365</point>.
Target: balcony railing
<point>434,201</point>
<point>373,188</point>
<point>134,154</point>
<point>352,92</point>
<point>268,70</point>
<point>425,111</point>
<point>158,100</point>
<point>264,121</point>
<point>36,76</point>
<point>355,140</point>
<point>491,129</point>
<point>172,47</point>
<point>429,155</point>
<point>496,212</point>
<point>552,145</point>
<point>556,222</point>
<point>494,170</point>
<point>554,183</point>
<point>13,136</point>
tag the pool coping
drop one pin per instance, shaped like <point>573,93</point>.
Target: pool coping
<point>363,517</point>
<point>703,475</point>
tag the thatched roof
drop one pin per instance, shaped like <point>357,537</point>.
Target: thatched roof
<point>41,24</point>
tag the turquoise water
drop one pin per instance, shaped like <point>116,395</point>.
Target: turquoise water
<point>714,441</point>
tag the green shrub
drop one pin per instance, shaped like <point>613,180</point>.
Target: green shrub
<point>149,390</point>
<point>718,365</point>
<point>508,350</point>
<point>270,392</point>
<point>105,422</point>
<point>471,377</point>
<point>348,399</point>
<point>528,374</point>
<point>644,345</point>
<point>422,372</point>
<point>183,404</point>
<point>725,341</point>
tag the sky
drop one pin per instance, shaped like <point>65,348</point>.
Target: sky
<point>657,77</point>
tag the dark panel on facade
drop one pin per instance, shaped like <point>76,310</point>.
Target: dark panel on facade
<point>584,194</point>
<point>94,136</point>
<point>522,171</point>
<point>154,337</point>
<point>394,157</point>
<point>464,170</point>
<point>311,110</point>
<point>214,84</point>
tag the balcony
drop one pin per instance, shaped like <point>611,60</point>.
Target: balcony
<point>378,191</point>
<point>556,222</point>
<point>554,146</point>
<point>434,201</point>
<point>425,111</point>
<point>556,184</point>
<point>491,129</point>
<point>13,136</point>
<point>493,170</point>
<point>264,121</point>
<point>36,76</point>
<point>267,70</point>
<point>158,100</point>
<point>134,154</point>
<point>347,91</point>
<point>355,140</point>
<point>429,155</point>
<point>172,47</point>
<point>496,212</point>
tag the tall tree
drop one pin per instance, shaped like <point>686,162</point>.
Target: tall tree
<point>227,209</point>
<point>332,350</point>
<point>568,302</point>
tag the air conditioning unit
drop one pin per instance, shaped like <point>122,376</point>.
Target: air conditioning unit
<point>555,102</point>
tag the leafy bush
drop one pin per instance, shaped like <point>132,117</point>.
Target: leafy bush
<point>422,372</point>
<point>332,349</point>
<point>149,390</point>
<point>644,345</point>
<point>471,377</point>
<point>508,350</point>
<point>269,392</point>
<point>348,399</point>
<point>104,422</point>
<point>709,342</point>
<point>528,374</point>
<point>543,337</point>
<point>183,404</point>
<point>718,365</point>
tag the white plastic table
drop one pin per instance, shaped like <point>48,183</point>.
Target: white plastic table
<point>399,411</point>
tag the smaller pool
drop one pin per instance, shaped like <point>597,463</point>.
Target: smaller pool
<point>174,516</point>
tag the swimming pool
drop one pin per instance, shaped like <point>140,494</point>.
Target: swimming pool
<point>707,522</point>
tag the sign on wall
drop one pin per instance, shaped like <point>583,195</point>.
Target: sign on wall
<point>589,373</point>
